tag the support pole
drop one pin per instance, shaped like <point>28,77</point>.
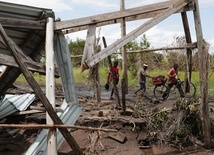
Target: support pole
<point>50,86</point>
<point>124,80</point>
<point>189,51</point>
<point>203,73</point>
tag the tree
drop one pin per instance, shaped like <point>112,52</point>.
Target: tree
<point>76,48</point>
<point>134,60</point>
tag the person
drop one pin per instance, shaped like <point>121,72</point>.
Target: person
<point>172,80</point>
<point>113,74</point>
<point>142,78</point>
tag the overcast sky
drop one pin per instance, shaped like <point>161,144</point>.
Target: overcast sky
<point>159,36</point>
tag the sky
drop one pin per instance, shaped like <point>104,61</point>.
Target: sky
<point>161,35</point>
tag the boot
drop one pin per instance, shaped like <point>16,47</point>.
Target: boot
<point>166,92</point>
<point>181,93</point>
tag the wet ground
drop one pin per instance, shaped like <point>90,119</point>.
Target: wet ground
<point>106,115</point>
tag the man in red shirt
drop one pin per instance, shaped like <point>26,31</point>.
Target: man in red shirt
<point>113,75</point>
<point>173,72</point>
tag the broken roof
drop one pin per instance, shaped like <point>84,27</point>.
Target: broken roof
<point>25,25</point>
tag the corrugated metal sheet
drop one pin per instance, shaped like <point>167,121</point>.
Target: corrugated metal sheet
<point>14,103</point>
<point>64,63</point>
<point>30,41</point>
<point>69,116</point>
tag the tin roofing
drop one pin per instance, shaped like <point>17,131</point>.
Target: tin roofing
<point>14,103</point>
<point>69,116</point>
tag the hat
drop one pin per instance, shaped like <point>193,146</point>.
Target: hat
<point>145,65</point>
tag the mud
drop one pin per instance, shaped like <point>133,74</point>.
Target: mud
<point>106,114</point>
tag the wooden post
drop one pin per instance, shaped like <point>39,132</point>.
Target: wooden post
<point>114,83</point>
<point>124,80</point>
<point>203,73</point>
<point>50,86</point>
<point>97,76</point>
<point>189,51</point>
<point>35,86</point>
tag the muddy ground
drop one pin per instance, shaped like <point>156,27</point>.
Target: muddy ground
<point>107,114</point>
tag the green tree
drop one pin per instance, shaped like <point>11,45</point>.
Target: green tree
<point>132,59</point>
<point>144,56</point>
<point>178,56</point>
<point>135,60</point>
<point>76,48</point>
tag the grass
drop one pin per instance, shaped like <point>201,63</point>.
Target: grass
<point>82,78</point>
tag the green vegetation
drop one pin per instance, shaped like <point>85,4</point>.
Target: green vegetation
<point>81,78</point>
<point>39,78</point>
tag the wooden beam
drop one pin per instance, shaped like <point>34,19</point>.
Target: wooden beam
<point>203,74</point>
<point>132,14</point>
<point>35,86</point>
<point>57,109</point>
<point>90,42</point>
<point>190,46</point>
<point>178,4</point>
<point>26,112</point>
<point>31,65</point>
<point>23,55</point>
<point>22,23</point>
<point>45,126</point>
<point>188,51</point>
<point>76,56</point>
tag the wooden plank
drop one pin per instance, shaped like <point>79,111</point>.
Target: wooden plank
<point>203,73</point>
<point>26,112</point>
<point>89,43</point>
<point>35,86</point>
<point>189,46</point>
<point>43,109</point>
<point>23,55</point>
<point>135,33</point>
<point>131,15</point>
<point>119,136</point>
<point>112,16</point>
<point>45,126</point>
<point>31,65</point>
<point>22,23</point>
